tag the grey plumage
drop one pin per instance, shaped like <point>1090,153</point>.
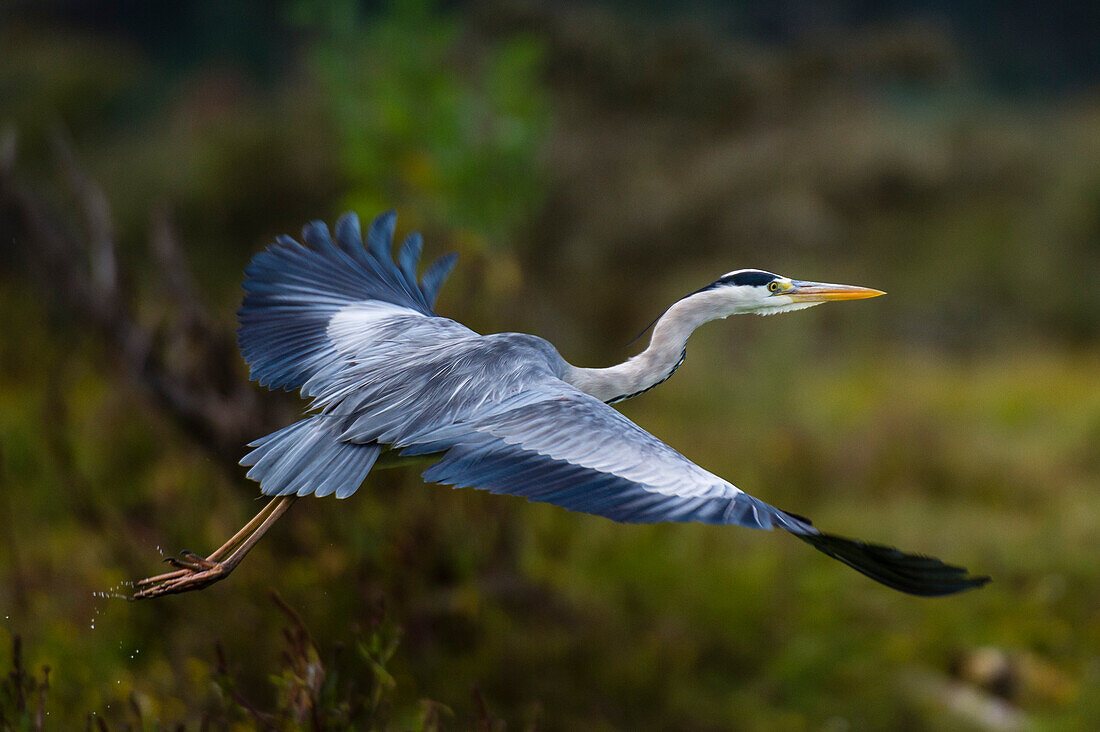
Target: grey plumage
<point>357,334</point>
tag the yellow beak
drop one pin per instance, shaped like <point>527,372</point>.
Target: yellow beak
<point>823,292</point>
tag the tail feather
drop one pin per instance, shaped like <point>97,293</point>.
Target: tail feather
<point>308,458</point>
<point>911,573</point>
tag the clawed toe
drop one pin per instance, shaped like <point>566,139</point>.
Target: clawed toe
<point>193,572</point>
<point>189,560</point>
<point>183,564</point>
<point>184,580</point>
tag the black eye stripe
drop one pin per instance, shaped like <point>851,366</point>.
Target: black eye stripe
<point>751,277</point>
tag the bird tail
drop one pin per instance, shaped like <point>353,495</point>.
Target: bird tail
<point>293,289</point>
<point>911,573</point>
<point>307,458</point>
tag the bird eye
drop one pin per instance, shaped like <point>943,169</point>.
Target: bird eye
<point>773,286</point>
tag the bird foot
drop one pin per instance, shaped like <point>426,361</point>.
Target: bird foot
<point>193,573</point>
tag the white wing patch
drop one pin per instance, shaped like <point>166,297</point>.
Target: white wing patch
<point>355,327</point>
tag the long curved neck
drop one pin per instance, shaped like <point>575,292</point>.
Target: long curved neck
<point>666,351</point>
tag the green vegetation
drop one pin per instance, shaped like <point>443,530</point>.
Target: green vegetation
<point>452,151</point>
<point>588,171</point>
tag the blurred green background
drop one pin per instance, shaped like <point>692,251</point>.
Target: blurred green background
<point>590,162</point>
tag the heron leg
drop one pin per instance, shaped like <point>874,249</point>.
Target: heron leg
<point>194,572</point>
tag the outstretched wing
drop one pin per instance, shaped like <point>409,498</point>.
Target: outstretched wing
<point>301,301</point>
<point>292,291</point>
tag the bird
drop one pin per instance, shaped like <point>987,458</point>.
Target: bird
<point>354,330</point>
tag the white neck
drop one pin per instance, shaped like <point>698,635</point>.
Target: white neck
<point>663,356</point>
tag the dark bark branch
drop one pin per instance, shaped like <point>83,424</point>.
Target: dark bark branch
<point>164,243</point>
<point>103,257</point>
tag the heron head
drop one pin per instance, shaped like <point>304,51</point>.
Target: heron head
<point>765,293</point>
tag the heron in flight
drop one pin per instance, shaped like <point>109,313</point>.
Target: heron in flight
<point>356,333</point>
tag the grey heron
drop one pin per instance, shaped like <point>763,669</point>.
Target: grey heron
<point>356,333</point>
